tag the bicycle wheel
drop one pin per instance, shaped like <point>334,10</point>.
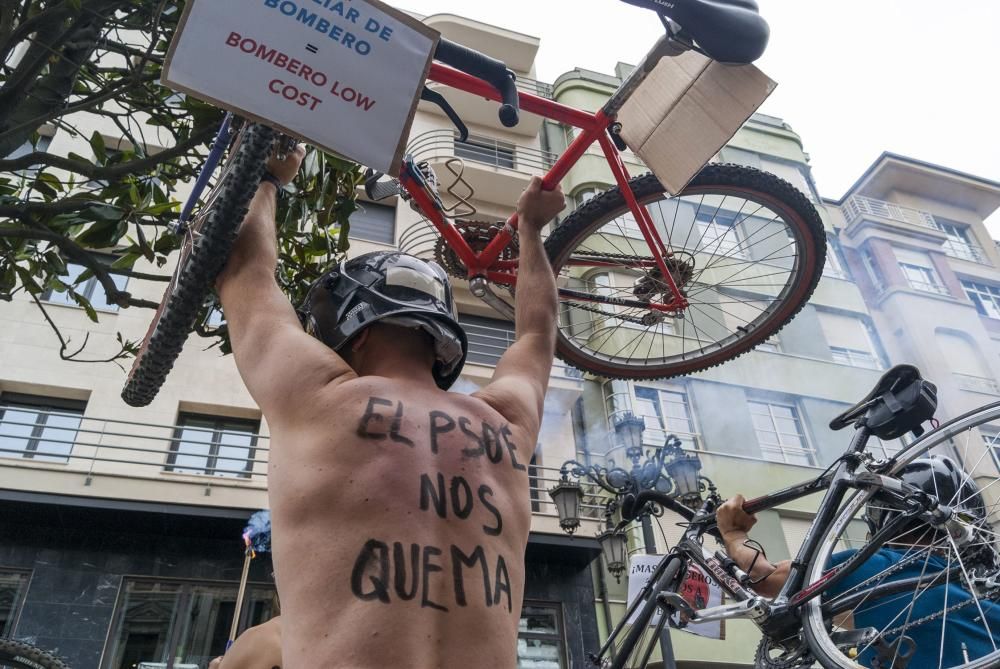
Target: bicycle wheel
<point>203,254</point>
<point>930,592</point>
<point>17,655</point>
<point>634,648</point>
<point>748,250</point>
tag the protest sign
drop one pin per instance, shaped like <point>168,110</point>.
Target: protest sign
<point>698,588</point>
<point>343,75</point>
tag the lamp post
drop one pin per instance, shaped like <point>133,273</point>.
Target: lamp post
<point>668,469</point>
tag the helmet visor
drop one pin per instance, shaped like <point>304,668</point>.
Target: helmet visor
<point>401,276</point>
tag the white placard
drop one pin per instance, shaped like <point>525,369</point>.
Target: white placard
<point>343,75</point>
<point>697,588</point>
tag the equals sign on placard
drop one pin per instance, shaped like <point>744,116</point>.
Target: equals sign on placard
<point>312,48</point>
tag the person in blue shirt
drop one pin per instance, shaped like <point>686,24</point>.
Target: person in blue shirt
<point>913,619</point>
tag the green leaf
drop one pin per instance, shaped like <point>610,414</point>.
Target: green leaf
<point>85,303</point>
<point>27,280</point>
<point>97,146</point>
<point>75,4</point>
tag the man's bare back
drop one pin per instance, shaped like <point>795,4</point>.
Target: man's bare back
<point>426,495</point>
<point>400,511</point>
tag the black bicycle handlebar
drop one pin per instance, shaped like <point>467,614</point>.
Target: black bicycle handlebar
<point>488,69</point>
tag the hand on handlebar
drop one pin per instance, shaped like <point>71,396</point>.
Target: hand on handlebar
<point>730,517</point>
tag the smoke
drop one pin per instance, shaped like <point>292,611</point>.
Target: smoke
<point>464,387</point>
<point>258,531</point>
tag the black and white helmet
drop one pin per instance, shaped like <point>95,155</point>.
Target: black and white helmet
<point>388,287</point>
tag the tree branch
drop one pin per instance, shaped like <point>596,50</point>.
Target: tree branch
<point>105,173</point>
<point>127,348</point>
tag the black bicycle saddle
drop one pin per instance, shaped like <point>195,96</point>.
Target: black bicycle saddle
<point>729,31</point>
<point>899,402</point>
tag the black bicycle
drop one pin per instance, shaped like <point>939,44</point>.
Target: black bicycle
<point>824,610</point>
<point>20,655</point>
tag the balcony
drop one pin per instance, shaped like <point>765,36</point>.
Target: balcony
<point>977,384</point>
<point>496,170</point>
<point>858,207</point>
<point>965,250</point>
<point>71,454</point>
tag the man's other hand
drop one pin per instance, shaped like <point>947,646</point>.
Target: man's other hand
<point>731,517</point>
<point>215,664</point>
<point>536,207</point>
<point>285,170</point>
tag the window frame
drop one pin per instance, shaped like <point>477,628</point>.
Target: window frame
<point>931,282</point>
<point>212,457</point>
<point>480,149</point>
<point>559,637</point>
<point>613,396</point>
<point>807,449</point>
<point>43,407</point>
<point>87,288</point>
<point>17,603</point>
<point>975,291</point>
<point>725,249</point>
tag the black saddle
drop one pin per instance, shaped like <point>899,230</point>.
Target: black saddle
<point>899,403</point>
<point>730,31</point>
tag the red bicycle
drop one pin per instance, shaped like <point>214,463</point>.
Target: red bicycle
<point>650,285</point>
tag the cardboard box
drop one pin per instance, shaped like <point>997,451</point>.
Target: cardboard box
<point>687,108</point>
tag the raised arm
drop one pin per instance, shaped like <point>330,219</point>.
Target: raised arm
<point>734,524</point>
<point>276,358</point>
<point>521,377</point>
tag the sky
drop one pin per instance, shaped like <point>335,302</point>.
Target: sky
<point>856,77</point>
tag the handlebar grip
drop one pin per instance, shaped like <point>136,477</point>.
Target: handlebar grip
<point>509,110</point>
<point>488,69</point>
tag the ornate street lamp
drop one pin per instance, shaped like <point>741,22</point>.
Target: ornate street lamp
<point>567,496</point>
<point>613,548</point>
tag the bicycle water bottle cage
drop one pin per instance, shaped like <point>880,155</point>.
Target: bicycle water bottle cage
<point>729,31</point>
<point>899,403</point>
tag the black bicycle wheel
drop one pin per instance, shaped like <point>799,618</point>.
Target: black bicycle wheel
<point>747,252</point>
<point>203,254</point>
<point>17,655</point>
<point>633,649</point>
<point>939,591</point>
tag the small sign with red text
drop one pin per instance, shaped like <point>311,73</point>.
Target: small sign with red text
<point>343,75</point>
<point>698,589</point>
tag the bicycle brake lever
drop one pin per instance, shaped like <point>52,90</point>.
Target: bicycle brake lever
<point>436,98</point>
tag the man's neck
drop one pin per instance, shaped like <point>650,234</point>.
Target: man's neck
<point>398,365</point>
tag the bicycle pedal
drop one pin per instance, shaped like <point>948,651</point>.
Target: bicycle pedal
<point>379,190</point>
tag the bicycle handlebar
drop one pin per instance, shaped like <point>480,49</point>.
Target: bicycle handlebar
<point>633,504</point>
<point>488,69</point>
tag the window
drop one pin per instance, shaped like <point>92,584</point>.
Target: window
<point>374,223</point>
<point>89,288</point>
<point>884,449</point>
<point>540,640</point>
<point>13,584</point>
<point>984,296</point>
<point>834,265</point>
<point>489,338</point>
<point>919,271</point>
<point>38,428</point>
<point>849,340</point>
<point>42,146</point>
<point>718,234</point>
<point>958,244</point>
<point>179,622</point>
<point>214,446</point>
<point>584,195</point>
<point>873,269</point>
<point>485,150</point>
<point>966,362</point>
<point>610,285</point>
<point>991,440</point>
<point>665,412</point>
<point>780,433</point>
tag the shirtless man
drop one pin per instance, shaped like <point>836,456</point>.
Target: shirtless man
<point>400,511</point>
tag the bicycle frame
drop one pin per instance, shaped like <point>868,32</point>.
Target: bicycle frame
<point>594,129</point>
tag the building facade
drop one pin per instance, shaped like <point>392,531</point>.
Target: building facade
<point>121,527</point>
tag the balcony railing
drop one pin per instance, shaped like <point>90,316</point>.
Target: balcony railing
<point>857,207</point>
<point>535,87</point>
<point>965,251</point>
<point>97,447</point>
<point>102,446</point>
<point>443,144</point>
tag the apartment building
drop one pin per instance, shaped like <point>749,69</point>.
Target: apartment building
<point>758,422</point>
<point>913,235</point>
<point>121,527</point>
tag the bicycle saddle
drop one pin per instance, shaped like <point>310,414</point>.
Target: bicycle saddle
<point>899,402</point>
<point>729,31</point>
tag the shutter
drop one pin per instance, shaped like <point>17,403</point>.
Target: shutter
<point>960,354</point>
<point>795,530</point>
<point>374,223</point>
<point>911,257</point>
<point>844,331</point>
